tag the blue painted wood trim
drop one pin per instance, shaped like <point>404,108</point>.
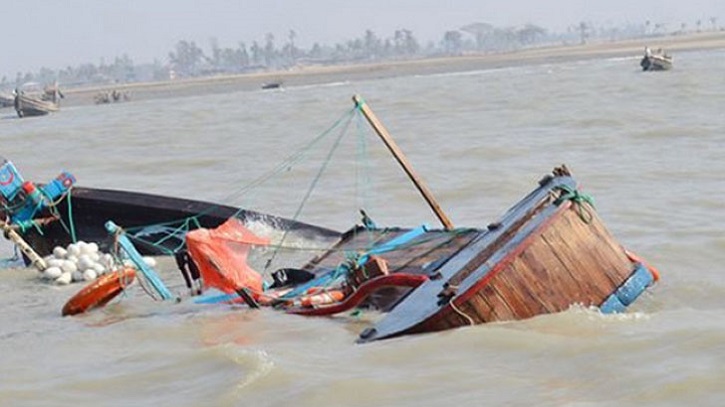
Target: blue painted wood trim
<point>635,285</point>
<point>612,305</point>
<point>629,291</point>
<point>137,259</point>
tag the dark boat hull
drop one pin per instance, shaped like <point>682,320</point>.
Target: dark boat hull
<point>90,208</point>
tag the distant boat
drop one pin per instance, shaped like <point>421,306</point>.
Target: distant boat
<point>31,100</point>
<point>272,85</point>
<point>655,61</point>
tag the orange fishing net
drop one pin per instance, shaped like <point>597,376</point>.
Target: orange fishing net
<point>221,256</point>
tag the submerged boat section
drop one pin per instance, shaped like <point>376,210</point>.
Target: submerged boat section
<point>549,252</point>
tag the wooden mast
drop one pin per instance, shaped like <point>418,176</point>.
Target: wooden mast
<point>400,157</point>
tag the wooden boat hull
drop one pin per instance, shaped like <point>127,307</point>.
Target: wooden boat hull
<point>90,208</point>
<point>542,257</point>
<point>27,106</point>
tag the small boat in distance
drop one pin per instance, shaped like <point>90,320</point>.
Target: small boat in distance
<point>31,100</point>
<point>272,85</point>
<point>655,61</point>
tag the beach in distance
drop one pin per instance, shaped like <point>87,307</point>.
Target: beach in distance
<point>316,74</point>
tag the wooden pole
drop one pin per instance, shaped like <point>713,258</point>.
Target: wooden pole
<point>400,157</point>
<point>14,237</point>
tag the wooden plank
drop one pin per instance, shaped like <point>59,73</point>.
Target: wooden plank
<point>584,255</point>
<point>589,289</point>
<point>610,256</point>
<point>509,285</point>
<point>403,161</point>
<point>570,256</point>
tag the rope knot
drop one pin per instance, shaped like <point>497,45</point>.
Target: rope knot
<point>578,199</point>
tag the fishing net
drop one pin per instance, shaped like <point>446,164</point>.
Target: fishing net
<point>221,256</point>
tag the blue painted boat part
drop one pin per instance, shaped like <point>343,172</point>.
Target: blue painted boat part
<point>633,287</point>
<point>137,259</point>
<point>216,298</point>
<point>612,305</point>
<point>394,244</point>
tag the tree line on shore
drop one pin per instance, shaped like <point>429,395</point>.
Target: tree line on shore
<point>188,59</point>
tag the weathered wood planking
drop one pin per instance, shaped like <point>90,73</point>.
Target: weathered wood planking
<point>421,255</point>
<point>413,257</point>
<point>566,261</point>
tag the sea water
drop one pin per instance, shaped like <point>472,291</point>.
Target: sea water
<point>649,147</point>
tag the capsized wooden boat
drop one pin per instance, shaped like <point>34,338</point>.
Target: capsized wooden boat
<point>548,252</point>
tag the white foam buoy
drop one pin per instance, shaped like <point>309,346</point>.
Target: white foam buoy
<point>51,273</point>
<point>79,262</point>
<point>74,250</point>
<point>60,252</point>
<point>69,266</point>
<point>64,279</point>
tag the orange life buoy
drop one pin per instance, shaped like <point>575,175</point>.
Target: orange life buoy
<point>636,259</point>
<point>99,292</point>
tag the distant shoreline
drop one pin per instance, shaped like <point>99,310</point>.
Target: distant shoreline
<point>309,75</point>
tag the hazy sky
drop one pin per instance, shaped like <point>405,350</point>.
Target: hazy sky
<point>59,33</point>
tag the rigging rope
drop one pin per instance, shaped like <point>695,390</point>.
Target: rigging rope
<point>183,224</point>
<point>312,186</point>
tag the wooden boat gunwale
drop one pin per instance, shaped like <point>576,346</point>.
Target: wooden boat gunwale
<point>134,209</point>
<point>28,106</point>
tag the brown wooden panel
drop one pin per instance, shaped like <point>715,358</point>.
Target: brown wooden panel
<point>519,298</point>
<point>562,288</point>
<point>570,261</point>
<point>584,256</point>
<point>558,291</point>
<point>600,246</point>
<point>584,273</point>
<point>500,309</point>
<point>477,309</point>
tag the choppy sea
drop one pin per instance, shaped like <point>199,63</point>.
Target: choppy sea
<point>649,147</point>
